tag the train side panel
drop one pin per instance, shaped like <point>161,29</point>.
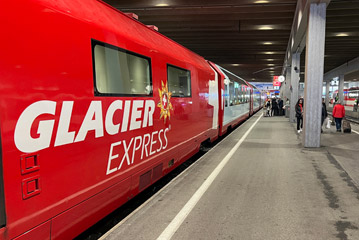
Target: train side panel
<point>72,148</point>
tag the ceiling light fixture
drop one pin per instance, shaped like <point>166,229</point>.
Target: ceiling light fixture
<point>270,65</point>
<point>342,35</point>
<point>265,27</point>
<point>235,64</point>
<point>162,5</point>
<point>263,1</point>
<point>268,52</point>
<point>267,43</point>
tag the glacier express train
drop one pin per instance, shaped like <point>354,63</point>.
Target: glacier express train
<point>95,107</point>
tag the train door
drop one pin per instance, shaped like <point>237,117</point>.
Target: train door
<point>250,101</point>
<point>222,96</point>
<point>214,99</point>
<point>2,198</point>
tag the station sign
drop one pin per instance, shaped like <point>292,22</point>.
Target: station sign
<point>276,82</point>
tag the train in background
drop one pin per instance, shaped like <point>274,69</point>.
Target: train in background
<point>351,95</point>
<point>96,107</point>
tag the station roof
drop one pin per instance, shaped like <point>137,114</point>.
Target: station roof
<point>247,37</point>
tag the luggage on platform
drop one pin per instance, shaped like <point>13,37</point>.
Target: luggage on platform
<point>346,126</point>
<point>265,112</point>
<point>328,123</point>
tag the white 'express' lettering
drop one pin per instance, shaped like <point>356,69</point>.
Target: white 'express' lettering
<point>143,144</point>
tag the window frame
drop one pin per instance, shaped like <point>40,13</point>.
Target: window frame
<point>97,93</point>
<point>190,80</point>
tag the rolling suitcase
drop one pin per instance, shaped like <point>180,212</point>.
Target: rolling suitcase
<point>265,112</point>
<point>346,126</point>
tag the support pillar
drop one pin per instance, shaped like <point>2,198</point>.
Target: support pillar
<point>287,92</point>
<point>287,85</point>
<point>294,87</point>
<point>327,97</point>
<point>341,88</point>
<point>281,91</point>
<point>314,68</point>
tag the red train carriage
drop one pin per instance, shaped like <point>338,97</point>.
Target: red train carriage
<point>351,96</point>
<point>95,107</point>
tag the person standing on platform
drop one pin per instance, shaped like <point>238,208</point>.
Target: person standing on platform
<point>274,107</point>
<point>324,113</point>
<point>268,106</point>
<point>299,108</point>
<point>286,106</point>
<point>280,107</point>
<point>356,102</point>
<point>336,100</point>
<point>338,114</point>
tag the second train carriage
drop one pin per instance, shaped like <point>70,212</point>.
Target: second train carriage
<point>239,99</point>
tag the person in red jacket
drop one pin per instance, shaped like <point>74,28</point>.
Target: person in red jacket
<point>338,114</point>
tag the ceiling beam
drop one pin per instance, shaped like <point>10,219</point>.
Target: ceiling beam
<point>346,68</point>
<point>195,17</point>
<point>204,10</point>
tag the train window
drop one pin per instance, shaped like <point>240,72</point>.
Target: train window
<point>226,92</point>
<point>353,93</point>
<point>241,94</point>
<point>236,93</point>
<point>120,72</point>
<point>179,81</point>
<point>231,93</point>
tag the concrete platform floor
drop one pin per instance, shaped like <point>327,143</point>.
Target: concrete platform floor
<point>270,188</point>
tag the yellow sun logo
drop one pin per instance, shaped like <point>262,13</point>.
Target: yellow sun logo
<point>165,103</point>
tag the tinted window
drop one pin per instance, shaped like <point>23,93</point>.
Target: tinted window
<point>119,72</point>
<point>179,81</point>
<point>235,89</point>
<point>353,94</point>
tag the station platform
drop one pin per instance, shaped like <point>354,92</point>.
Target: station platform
<point>258,183</point>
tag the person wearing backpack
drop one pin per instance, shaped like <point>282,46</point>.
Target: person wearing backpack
<point>338,115</point>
